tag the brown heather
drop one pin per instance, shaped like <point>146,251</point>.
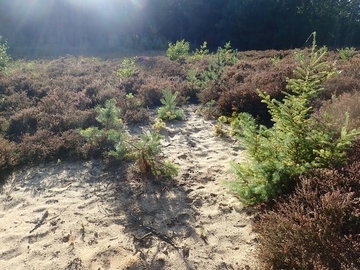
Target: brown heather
<point>7,155</point>
<point>60,95</point>
<point>318,227</point>
<point>333,110</point>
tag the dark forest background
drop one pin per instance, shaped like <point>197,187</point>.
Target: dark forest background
<point>79,26</point>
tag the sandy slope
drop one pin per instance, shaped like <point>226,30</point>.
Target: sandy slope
<point>99,220</point>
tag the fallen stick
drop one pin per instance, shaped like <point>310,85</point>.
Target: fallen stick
<point>40,221</point>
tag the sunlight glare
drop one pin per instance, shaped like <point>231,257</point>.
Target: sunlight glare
<point>99,4</point>
<point>139,3</point>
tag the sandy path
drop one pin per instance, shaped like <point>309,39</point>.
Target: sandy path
<point>91,222</point>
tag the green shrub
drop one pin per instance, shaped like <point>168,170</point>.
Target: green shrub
<point>112,139</point>
<point>211,74</point>
<point>169,111</point>
<point>192,81</point>
<point>201,53</point>
<point>4,57</point>
<point>111,133</point>
<point>296,143</point>
<point>276,59</point>
<point>132,102</point>
<point>224,57</point>
<point>177,50</point>
<point>159,125</point>
<point>146,152</point>
<point>219,126</point>
<point>214,70</point>
<point>346,53</point>
<point>127,68</point>
<point>227,55</point>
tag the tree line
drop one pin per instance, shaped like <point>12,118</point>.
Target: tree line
<point>150,24</point>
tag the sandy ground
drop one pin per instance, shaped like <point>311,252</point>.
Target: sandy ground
<point>88,218</point>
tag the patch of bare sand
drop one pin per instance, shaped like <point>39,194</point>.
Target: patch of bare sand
<point>110,220</point>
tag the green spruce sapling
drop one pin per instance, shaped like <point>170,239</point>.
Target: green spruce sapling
<point>4,57</point>
<point>169,111</point>
<point>111,129</point>
<point>112,139</point>
<point>346,53</point>
<point>147,153</point>
<point>296,143</point>
<point>201,53</point>
<point>127,68</point>
<point>179,49</point>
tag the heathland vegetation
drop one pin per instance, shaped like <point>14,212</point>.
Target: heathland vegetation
<point>296,113</point>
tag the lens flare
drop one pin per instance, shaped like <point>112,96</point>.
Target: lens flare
<point>139,3</point>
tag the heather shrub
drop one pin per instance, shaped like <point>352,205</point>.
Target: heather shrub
<point>186,94</point>
<point>212,92</point>
<point>33,68</point>
<point>24,121</point>
<point>137,116</point>
<point>73,146</point>
<point>150,92</point>
<point>336,111</point>
<point>271,82</point>
<point>242,98</point>
<point>4,125</point>
<point>296,142</point>
<point>236,89</point>
<point>161,67</point>
<point>106,93</point>
<point>350,68</point>
<point>42,146</point>
<point>179,49</point>
<point>8,155</point>
<point>45,146</point>
<point>57,67</point>
<point>132,109</point>
<point>318,227</point>
<point>14,102</point>
<point>92,91</point>
<point>354,153</point>
<point>82,101</point>
<point>209,110</point>
<point>59,111</point>
<point>339,85</point>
